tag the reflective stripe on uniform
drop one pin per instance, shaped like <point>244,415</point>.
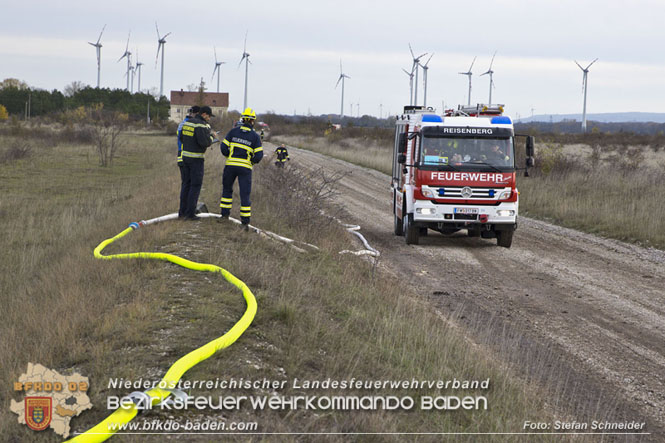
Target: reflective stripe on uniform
<point>191,154</point>
<point>233,162</point>
<point>239,161</point>
<point>245,211</point>
<point>188,128</point>
<point>225,203</point>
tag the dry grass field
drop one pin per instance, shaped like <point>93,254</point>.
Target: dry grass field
<point>319,315</point>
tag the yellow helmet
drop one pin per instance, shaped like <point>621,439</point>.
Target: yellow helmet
<point>249,114</point>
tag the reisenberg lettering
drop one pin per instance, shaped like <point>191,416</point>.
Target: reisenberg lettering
<point>473,131</point>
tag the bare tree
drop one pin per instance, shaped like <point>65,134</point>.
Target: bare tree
<point>201,96</point>
<point>107,126</point>
<point>74,87</point>
<point>13,83</point>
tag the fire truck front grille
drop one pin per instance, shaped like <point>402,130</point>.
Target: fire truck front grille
<point>479,193</point>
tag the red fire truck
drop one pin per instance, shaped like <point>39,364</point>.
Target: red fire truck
<point>456,171</point>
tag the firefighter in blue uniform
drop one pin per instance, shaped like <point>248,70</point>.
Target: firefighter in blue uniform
<point>191,112</point>
<point>243,149</point>
<point>196,138</point>
<point>282,155</point>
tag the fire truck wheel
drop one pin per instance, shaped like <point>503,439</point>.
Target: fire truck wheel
<point>504,238</point>
<point>411,232</point>
<point>423,232</point>
<point>473,232</point>
<point>399,228</point>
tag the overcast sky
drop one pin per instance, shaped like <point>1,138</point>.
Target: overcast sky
<point>295,48</point>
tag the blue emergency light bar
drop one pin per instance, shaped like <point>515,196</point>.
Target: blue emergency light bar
<point>501,120</point>
<point>432,118</point>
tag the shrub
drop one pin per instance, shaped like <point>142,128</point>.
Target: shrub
<point>303,195</point>
<point>20,149</point>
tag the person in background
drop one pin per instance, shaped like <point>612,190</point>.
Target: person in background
<point>196,138</point>
<point>496,156</point>
<point>282,155</point>
<point>243,149</point>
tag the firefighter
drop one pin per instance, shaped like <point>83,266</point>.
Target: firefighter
<point>452,147</point>
<point>454,152</point>
<point>282,155</point>
<point>191,112</point>
<point>243,149</point>
<point>196,138</point>
<point>496,156</point>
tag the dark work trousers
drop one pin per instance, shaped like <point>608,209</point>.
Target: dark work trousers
<point>191,173</point>
<point>244,176</point>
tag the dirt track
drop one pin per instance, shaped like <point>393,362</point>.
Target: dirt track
<point>582,316</point>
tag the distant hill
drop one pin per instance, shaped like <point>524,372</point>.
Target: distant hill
<point>609,117</point>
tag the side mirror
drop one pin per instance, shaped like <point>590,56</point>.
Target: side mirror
<point>401,143</point>
<point>529,164</point>
<point>530,143</point>
<point>401,158</point>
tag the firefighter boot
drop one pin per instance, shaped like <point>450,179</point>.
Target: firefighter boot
<point>224,218</point>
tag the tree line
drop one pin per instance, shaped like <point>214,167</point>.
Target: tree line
<point>593,127</point>
<point>20,100</point>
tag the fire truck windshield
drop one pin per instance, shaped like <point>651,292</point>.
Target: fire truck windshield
<point>467,153</point>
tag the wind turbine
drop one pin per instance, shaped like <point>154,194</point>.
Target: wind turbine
<point>584,84</point>
<point>425,68</point>
<point>161,41</point>
<point>98,47</point>
<point>217,65</point>
<point>341,78</point>
<point>469,73</point>
<point>133,74</point>
<point>138,68</point>
<point>129,59</point>
<point>245,57</point>
<point>410,74</point>
<point>490,72</point>
<point>416,62</point>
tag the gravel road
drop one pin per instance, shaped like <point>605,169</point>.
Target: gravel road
<point>582,317</point>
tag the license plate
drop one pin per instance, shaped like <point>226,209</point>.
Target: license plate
<point>466,210</point>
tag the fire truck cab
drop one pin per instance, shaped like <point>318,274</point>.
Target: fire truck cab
<point>456,171</point>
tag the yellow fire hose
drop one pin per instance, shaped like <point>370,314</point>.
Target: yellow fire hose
<point>121,416</point>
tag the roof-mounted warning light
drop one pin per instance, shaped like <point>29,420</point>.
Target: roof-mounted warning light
<point>417,109</point>
<point>475,111</point>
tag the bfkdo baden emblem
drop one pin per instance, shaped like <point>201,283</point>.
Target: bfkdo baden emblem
<point>38,412</point>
